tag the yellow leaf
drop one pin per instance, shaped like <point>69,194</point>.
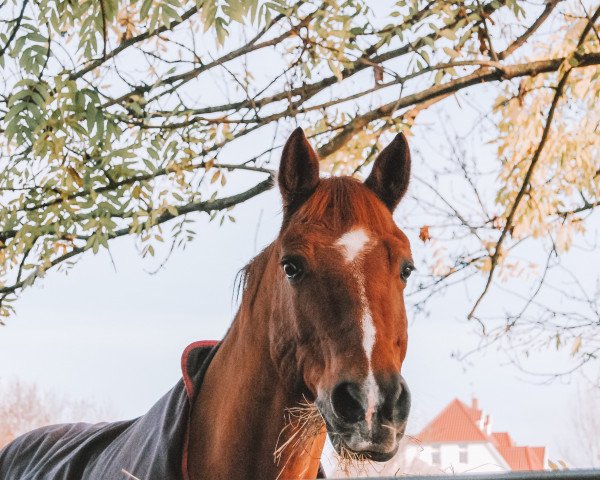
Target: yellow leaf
<point>576,346</point>
<point>75,176</point>
<point>452,53</point>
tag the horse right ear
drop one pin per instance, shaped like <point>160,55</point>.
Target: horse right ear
<point>298,172</point>
<point>391,172</point>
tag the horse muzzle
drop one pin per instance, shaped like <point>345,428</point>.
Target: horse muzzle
<point>366,420</point>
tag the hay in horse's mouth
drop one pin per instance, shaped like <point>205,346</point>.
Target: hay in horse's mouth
<point>347,454</point>
<point>306,423</point>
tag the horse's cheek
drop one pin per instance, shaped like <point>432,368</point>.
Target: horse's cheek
<point>387,300</point>
<point>309,351</point>
<point>399,327</point>
<point>284,339</point>
<point>401,340</point>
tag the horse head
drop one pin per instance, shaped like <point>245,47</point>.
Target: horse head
<point>343,267</point>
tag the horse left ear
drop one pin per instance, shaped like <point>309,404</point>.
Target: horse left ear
<point>298,171</point>
<point>391,172</point>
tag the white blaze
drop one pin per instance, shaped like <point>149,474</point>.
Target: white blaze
<point>352,244</point>
<point>369,334</point>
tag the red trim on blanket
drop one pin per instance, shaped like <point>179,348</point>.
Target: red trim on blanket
<point>189,389</point>
<point>189,386</point>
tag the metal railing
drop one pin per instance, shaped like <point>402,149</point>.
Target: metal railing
<point>538,475</point>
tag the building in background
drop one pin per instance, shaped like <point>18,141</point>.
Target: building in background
<point>460,439</point>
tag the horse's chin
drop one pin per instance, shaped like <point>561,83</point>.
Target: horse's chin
<point>371,454</point>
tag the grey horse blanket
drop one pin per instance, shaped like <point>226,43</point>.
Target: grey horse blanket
<point>151,447</point>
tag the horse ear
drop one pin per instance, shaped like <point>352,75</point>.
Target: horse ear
<point>391,172</point>
<point>298,171</point>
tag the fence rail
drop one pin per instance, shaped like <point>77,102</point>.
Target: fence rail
<point>544,475</point>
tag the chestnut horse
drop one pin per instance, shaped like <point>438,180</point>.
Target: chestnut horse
<point>316,348</point>
<point>322,322</point>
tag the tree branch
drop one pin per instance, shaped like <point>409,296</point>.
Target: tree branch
<point>132,41</point>
<point>439,92</point>
<point>583,208</point>
<point>527,179</point>
<point>550,6</point>
<point>18,20</point>
<point>200,206</point>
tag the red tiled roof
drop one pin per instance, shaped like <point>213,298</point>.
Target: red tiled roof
<point>461,423</point>
<point>540,452</point>
<point>502,439</point>
<point>455,423</point>
<point>523,458</point>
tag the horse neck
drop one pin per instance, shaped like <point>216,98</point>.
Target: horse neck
<point>239,417</point>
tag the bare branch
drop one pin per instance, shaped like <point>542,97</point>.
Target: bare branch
<point>15,29</point>
<point>526,180</point>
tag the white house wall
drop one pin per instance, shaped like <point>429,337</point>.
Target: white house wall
<point>481,457</point>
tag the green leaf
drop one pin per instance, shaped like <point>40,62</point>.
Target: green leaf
<point>145,8</point>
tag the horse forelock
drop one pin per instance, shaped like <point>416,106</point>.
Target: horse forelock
<point>341,203</point>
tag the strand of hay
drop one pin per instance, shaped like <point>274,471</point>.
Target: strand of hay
<point>305,424</point>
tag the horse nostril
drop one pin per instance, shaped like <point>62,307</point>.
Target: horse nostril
<point>346,402</point>
<point>403,404</point>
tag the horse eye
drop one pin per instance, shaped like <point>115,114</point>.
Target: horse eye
<point>406,270</point>
<point>291,269</point>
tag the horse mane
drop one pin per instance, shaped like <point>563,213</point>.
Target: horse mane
<point>248,277</point>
